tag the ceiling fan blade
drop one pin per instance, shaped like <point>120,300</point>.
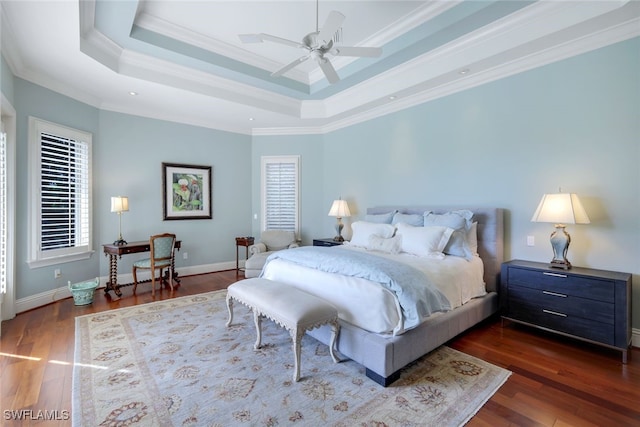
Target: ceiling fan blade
<point>369,52</point>
<point>328,70</point>
<point>259,38</point>
<point>331,25</point>
<point>289,66</point>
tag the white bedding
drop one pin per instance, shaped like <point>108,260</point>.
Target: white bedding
<point>370,306</point>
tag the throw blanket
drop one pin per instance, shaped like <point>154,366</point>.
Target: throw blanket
<point>417,296</point>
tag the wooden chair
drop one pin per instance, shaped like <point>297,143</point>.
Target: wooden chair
<point>162,251</point>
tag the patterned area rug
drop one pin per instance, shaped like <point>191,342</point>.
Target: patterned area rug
<point>174,363</point>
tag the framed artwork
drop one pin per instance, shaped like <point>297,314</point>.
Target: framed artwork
<point>186,191</point>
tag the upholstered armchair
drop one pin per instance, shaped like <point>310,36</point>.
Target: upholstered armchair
<point>270,242</point>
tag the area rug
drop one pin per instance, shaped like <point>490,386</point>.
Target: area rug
<point>175,363</point>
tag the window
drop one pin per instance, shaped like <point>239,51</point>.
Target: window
<point>60,188</point>
<point>280,193</point>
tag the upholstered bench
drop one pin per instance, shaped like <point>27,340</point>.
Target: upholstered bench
<point>289,307</point>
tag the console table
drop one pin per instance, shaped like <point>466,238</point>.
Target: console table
<point>114,252</point>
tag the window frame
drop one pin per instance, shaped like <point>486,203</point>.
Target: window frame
<point>37,256</point>
<point>265,160</point>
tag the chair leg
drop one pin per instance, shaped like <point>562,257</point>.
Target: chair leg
<point>153,282</point>
<point>135,279</point>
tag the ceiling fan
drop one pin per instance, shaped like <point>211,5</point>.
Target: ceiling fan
<point>317,44</point>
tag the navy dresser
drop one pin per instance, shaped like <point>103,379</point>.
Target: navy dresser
<point>587,304</point>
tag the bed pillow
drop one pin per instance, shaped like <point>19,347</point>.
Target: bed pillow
<point>472,238</point>
<point>416,220</point>
<point>362,230</point>
<point>461,223</point>
<point>391,245</point>
<point>424,241</point>
<point>385,218</point>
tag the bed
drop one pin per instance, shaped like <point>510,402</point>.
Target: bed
<point>380,341</point>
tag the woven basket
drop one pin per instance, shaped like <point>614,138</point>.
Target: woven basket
<point>83,292</point>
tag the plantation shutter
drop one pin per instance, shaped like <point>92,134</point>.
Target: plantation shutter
<point>280,192</point>
<point>3,213</point>
<point>64,192</point>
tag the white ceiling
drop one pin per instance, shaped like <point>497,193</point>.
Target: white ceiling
<point>186,63</point>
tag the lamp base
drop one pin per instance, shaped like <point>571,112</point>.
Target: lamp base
<point>120,242</point>
<point>339,227</point>
<point>563,264</point>
<point>560,241</point>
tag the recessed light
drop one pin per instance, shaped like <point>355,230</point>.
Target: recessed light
<point>464,71</point>
<point>251,119</point>
<point>132,93</point>
<point>392,97</point>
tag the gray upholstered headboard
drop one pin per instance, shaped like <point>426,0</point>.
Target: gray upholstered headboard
<point>490,235</point>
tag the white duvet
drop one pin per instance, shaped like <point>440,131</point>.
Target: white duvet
<point>372,307</point>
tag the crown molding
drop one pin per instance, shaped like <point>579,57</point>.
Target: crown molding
<point>619,33</point>
<point>509,46</point>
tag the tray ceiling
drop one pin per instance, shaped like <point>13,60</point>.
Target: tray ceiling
<point>186,63</point>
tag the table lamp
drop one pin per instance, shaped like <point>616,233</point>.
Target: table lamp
<point>339,209</point>
<point>120,204</point>
<point>560,209</point>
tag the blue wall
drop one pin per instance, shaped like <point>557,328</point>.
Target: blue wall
<point>128,161</point>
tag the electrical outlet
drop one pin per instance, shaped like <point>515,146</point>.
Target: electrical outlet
<point>57,273</point>
<point>531,241</point>
<point>185,255</point>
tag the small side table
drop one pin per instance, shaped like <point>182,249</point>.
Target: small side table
<point>246,242</point>
<point>326,242</point>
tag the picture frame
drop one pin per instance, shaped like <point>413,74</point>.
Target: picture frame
<point>186,191</point>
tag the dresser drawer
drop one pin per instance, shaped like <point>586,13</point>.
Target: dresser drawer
<point>576,326</point>
<point>584,287</point>
<point>564,305</point>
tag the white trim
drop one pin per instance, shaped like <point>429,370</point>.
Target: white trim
<point>635,337</point>
<point>37,256</point>
<point>7,301</point>
<point>44,298</point>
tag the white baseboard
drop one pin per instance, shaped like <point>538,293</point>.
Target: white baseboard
<point>44,298</point>
<point>635,338</point>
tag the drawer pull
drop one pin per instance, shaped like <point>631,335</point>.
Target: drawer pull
<point>555,313</point>
<point>546,273</point>
<point>555,294</point>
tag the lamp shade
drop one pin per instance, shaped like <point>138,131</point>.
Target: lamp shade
<point>339,209</point>
<point>119,204</point>
<point>561,208</point>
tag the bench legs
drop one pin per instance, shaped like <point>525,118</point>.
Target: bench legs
<point>230,308</point>
<point>296,337</point>
<point>335,330</point>
<point>257,319</point>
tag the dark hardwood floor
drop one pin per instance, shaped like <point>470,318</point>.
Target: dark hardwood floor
<point>556,381</point>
